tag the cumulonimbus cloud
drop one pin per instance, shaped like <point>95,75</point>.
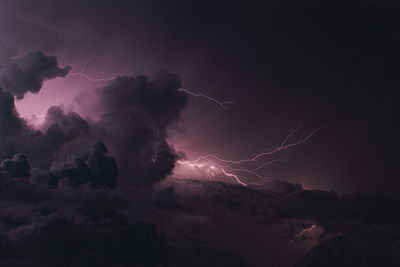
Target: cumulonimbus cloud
<point>135,113</point>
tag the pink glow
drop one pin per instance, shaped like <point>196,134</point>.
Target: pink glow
<point>55,92</point>
<point>210,169</point>
<point>209,163</point>
<point>234,176</point>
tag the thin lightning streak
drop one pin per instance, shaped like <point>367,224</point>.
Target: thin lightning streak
<point>303,232</point>
<point>209,168</point>
<point>212,162</point>
<point>221,104</point>
<point>267,153</point>
<point>254,170</point>
<point>82,74</point>
<point>291,134</point>
<point>234,176</point>
<point>89,78</point>
<point>85,67</point>
<point>212,165</point>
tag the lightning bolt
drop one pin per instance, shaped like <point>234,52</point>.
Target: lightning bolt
<point>87,77</point>
<point>222,104</point>
<point>300,236</point>
<point>82,74</point>
<point>90,78</point>
<point>292,132</point>
<point>234,176</point>
<point>210,168</point>
<point>211,162</point>
<point>253,171</point>
<point>264,153</point>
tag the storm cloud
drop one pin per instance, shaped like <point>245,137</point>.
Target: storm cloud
<point>27,73</point>
<point>17,137</point>
<point>95,167</point>
<point>135,115</point>
<point>17,166</point>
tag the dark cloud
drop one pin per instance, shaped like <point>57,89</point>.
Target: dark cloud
<point>142,152</point>
<point>73,168</point>
<point>351,229</point>
<point>137,112</point>
<point>102,166</point>
<point>380,250</point>
<point>158,95</point>
<point>69,244</point>
<point>95,167</point>
<point>17,166</point>
<point>17,137</point>
<point>27,73</point>
<point>59,128</point>
<point>10,122</point>
<point>83,225</point>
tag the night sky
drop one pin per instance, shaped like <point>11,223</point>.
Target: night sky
<point>108,157</point>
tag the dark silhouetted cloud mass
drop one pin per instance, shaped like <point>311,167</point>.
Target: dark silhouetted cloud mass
<point>27,73</point>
